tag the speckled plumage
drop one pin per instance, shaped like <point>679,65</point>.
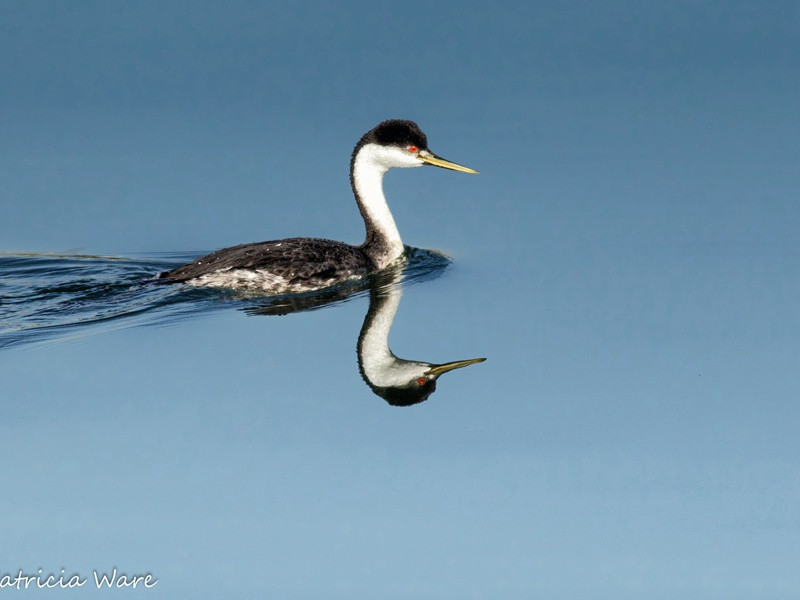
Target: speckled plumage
<point>281,266</point>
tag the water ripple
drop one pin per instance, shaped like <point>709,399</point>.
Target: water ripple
<point>47,296</point>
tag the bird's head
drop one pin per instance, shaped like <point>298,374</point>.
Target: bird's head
<point>398,143</point>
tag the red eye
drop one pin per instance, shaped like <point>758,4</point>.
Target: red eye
<point>422,381</point>
<point>413,149</point>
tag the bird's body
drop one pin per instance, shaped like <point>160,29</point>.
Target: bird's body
<point>296,265</point>
<point>293,265</point>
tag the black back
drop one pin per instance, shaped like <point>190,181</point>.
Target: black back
<point>295,259</point>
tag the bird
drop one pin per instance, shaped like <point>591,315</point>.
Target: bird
<point>299,265</point>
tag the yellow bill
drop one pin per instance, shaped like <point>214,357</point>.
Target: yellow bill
<point>439,369</point>
<point>432,159</point>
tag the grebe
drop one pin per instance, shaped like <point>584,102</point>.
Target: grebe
<point>305,264</point>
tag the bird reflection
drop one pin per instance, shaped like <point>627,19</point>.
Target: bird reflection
<point>399,381</point>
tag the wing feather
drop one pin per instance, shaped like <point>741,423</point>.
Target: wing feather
<point>293,259</point>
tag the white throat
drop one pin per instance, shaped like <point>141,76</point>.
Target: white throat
<point>369,167</point>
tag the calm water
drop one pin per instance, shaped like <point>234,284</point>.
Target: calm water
<point>627,262</point>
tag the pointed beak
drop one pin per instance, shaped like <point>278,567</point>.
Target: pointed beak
<point>429,158</point>
<point>437,370</point>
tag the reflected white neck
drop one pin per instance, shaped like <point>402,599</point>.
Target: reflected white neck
<point>380,366</point>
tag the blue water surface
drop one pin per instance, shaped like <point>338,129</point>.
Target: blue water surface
<point>627,261</point>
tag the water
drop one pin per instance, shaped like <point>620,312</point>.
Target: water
<point>627,262</point>
<point>48,297</point>
<point>52,298</point>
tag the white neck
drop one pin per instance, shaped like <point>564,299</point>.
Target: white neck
<point>383,241</point>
